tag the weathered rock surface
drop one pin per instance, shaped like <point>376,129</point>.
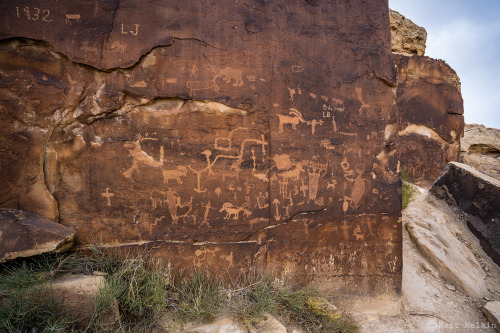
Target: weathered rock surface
<point>492,312</point>
<point>480,148</point>
<point>430,122</point>
<point>437,242</point>
<point>268,324</point>
<point>25,234</point>
<point>77,294</point>
<point>407,37</point>
<point>478,195</point>
<point>225,135</point>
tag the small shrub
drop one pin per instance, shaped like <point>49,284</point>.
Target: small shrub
<point>408,192</point>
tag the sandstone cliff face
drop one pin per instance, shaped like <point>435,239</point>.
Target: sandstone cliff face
<point>430,123</point>
<point>480,148</point>
<point>407,37</point>
<point>224,135</point>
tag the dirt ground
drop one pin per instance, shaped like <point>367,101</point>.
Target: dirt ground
<point>428,302</point>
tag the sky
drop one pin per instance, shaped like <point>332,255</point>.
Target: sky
<point>465,34</point>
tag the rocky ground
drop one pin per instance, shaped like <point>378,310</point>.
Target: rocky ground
<point>431,299</point>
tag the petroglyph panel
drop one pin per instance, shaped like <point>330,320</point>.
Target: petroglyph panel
<point>212,141</point>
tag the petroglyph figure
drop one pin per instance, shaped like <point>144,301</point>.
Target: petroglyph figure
<point>208,208</point>
<point>174,203</point>
<point>358,234</point>
<point>72,17</point>
<point>108,196</point>
<point>314,172</point>
<point>293,118</point>
<point>86,47</point>
<point>348,173</point>
<point>345,230</point>
<point>119,47</point>
<point>331,185</point>
<point>233,211</point>
<point>174,174</point>
<point>327,144</point>
<point>195,86</point>
<point>359,92</point>
<point>277,215</point>
<point>229,74</point>
<point>369,224</point>
<point>358,191</point>
<point>263,200</point>
<point>293,173</point>
<point>139,156</point>
<point>297,69</point>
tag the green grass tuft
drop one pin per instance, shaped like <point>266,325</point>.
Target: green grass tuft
<point>408,192</point>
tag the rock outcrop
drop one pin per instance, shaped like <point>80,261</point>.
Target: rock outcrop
<point>407,37</point>
<point>429,102</point>
<point>480,148</point>
<point>492,312</point>
<point>227,135</point>
<point>430,123</point>
<point>25,234</point>
<point>478,195</point>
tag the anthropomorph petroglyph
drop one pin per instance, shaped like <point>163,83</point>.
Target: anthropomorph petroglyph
<point>208,207</point>
<point>314,172</point>
<point>358,234</point>
<point>108,195</point>
<point>357,193</point>
<point>233,211</point>
<point>172,201</point>
<point>139,156</point>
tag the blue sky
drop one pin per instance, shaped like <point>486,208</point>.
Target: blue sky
<point>466,34</point>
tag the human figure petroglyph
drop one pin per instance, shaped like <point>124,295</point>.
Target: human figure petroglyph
<point>208,208</point>
<point>294,92</point>
<point>314,172</point>
<point>175,174</point>
<point>139,156</point>
<point>233,211</point>
<point>313,124</point>
<point>72,17</point>
<point>263,200</point>
<point>172,201</point>
<point>108,195</point>
<point>369,225</point>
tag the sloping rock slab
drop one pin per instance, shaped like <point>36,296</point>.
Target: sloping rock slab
<point>492,312</point>
<point>25,234</point>
<point>438,244</point>
<point>476,194</point>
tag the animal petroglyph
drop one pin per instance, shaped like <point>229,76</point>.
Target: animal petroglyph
<point>72,17</point>
<point>294,118</point>
<point>358,234</point>
<point>229,75</point>
<point>139,156</point>
<point>195,86</point>
<point>327,144</point>
<point>233,211</point>
<point>86,47</point>
<point>108,195</point>
<point>172,201</point>
<point>119,47</point>
<point>175,174</point>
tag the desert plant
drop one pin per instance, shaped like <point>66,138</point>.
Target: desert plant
<point>408,192</point>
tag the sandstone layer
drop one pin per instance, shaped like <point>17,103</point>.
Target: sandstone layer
<point>430,116</point>
<point>222,135</point>
<point>25,234</point>
<point>407,37</point>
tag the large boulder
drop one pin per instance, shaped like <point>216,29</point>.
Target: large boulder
<point>223,135</point>
<point>480,148</point>
<point>478,195</point>
<point>430,122</point>
<point>25,234</point>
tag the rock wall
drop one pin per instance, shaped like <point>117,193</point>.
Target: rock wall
<point>225,135</point>
<point>430,122</point>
